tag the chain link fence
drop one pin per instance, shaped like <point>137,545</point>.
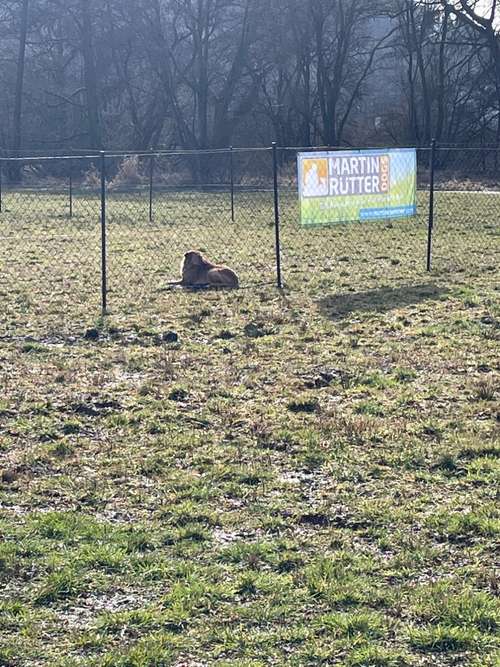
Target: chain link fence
<point>466,209</point>
<point>50,235</point>
<point>111,229</point>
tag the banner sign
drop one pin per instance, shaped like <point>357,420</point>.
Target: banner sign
<point>344,186</point>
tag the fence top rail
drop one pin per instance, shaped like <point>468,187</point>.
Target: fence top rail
<point>49,158</point>
<point>442,147</point>
<point>225,151</point>
<point>476,149</point>
<point>312,149</point>
<point>181,153</point>
<point>124,154</point>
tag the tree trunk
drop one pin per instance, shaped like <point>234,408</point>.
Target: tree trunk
<point>225,120</point>
<point>202,39</point>
<point>419,45</point>
<point>90,76</point>
<point>15,170</point>
<point>495,54</point>
<point>442,77</point>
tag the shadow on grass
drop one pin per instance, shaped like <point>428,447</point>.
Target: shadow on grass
<point>379,300</point>
<point>213,288</point>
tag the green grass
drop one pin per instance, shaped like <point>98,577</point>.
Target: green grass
<point>304,477</point>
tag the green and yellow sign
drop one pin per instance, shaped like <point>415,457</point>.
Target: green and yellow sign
<point>344,186</point>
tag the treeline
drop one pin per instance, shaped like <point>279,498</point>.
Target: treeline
<point>134,74</point>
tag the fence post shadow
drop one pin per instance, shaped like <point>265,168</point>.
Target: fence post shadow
<point>382,300</point>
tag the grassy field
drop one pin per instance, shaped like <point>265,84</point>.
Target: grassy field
<point>258,477</point>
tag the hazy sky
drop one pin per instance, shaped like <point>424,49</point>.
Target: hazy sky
<point>485,7</point>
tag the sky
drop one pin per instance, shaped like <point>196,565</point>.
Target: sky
<point>484,6</point>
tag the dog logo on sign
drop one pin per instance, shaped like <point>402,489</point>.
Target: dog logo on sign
<point>315,178</point>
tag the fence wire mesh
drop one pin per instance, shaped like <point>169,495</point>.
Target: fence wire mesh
<point>160,207</point>
<point>467,209</point>
<point>50,235</point>
<point>222,203</point>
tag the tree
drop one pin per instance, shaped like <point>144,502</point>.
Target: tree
<point>90,74</point>
<point>209,73</point>
<point>15,170</point>
<point>484,24</point>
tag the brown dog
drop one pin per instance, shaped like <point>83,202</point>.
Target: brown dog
<point>196,271</point>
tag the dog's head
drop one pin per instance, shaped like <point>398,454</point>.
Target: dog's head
<point>193,258</point>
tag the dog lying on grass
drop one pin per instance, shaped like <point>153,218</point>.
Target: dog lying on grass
<point>196,271</point>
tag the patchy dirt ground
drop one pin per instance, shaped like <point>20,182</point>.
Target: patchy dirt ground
<point>303,477</point>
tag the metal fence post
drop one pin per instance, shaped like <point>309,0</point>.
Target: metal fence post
<point>151,177</point>
<point>231,163</point>
<point>431,206</point>
<point>104,276</point>
<point>277,215</point>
